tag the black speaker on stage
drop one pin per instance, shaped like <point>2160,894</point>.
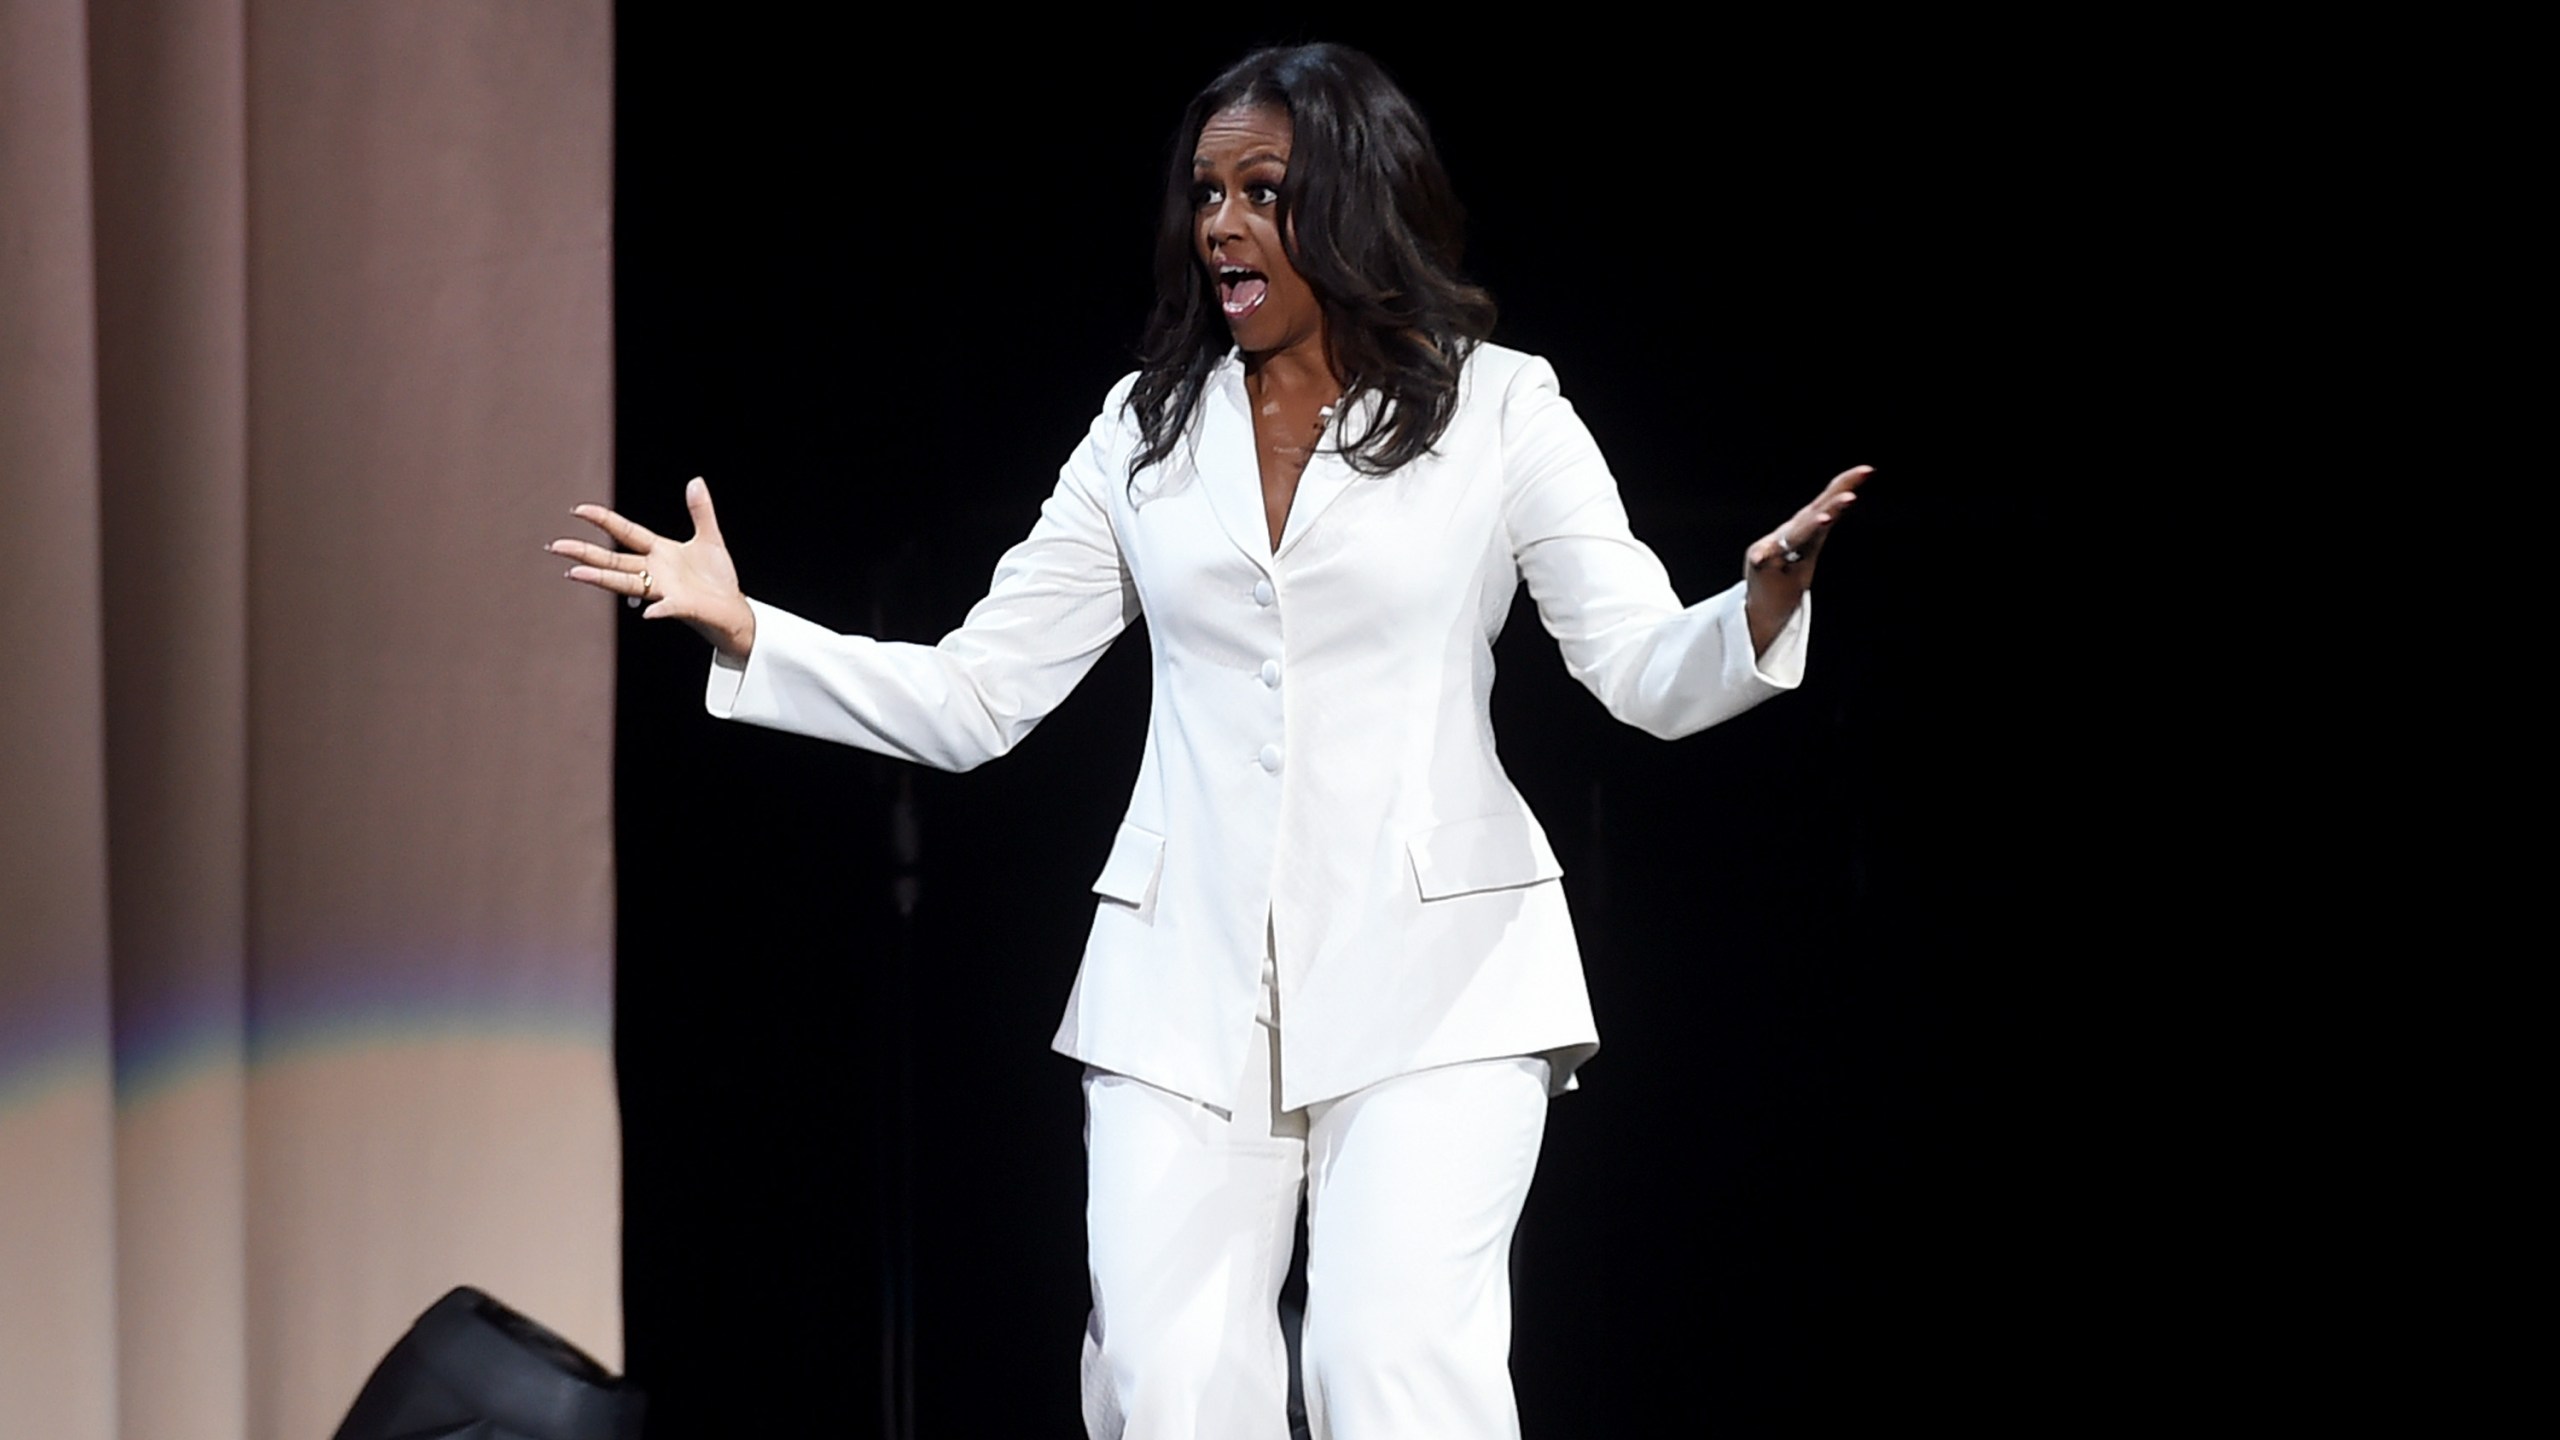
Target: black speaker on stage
<point>472,1369</point>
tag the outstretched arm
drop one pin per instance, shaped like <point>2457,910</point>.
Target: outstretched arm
<point>1666,669</point>
<point>1058,599</point>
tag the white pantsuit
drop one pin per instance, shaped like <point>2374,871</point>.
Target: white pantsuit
<point>1414,1186</point>
<point>1319,786</point>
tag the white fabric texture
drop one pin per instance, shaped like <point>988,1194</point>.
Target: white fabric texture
<point>1414,1187</point>
<point>1320,750</point>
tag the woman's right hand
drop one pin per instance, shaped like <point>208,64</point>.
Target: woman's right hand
<point>693,580</point>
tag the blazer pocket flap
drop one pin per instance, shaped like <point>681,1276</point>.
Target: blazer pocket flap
<point>1497,852</point>
<point>1129,876</point>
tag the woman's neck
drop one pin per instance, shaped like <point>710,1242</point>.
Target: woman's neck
<point>1302,369</point>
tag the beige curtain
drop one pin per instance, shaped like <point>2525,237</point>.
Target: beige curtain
<point>305,865</point>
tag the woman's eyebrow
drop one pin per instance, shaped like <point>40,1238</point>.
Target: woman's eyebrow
<point>1272,157</point>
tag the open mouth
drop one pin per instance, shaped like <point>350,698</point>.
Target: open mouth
<point>1241,291</point>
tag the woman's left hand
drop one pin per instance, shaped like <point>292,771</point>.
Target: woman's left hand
<point>1778,567</point>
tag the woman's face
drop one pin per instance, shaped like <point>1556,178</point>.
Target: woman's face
<point>1236,171</point>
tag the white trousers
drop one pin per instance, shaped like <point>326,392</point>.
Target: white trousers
<point>1413,1188</point>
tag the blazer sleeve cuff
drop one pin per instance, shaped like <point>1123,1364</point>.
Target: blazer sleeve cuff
<point>1781,666</point>
<point>743,689</point>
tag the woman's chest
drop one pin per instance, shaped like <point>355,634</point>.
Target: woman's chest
<point>1411,553</point>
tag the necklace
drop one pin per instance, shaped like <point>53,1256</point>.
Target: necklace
<point>1299,455</point>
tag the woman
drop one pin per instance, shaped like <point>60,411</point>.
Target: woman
<point>1331,953</point>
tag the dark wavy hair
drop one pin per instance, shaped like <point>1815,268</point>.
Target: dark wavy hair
<point>1370,222</point>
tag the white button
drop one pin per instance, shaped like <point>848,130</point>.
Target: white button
<point>1261,592</point>
<point>1271,673</point>
<point>1271,759</point>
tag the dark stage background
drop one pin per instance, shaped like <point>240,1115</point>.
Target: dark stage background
<point>1815,1178</point>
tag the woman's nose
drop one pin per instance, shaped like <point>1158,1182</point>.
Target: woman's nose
<point>1218,222</point>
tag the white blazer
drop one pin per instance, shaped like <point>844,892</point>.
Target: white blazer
<point>1319,762</point>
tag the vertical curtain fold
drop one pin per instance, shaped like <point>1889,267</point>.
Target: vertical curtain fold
<point>168,162</point>
<point>305,868</point>
<point>57,1175</point>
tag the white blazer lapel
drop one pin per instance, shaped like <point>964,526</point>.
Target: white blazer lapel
<point>1225,462</point>
<point>1327,474</point>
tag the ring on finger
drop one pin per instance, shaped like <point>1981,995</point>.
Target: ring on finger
<point>636,601</point>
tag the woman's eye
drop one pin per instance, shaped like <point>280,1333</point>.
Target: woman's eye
<point>1256,192</point>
